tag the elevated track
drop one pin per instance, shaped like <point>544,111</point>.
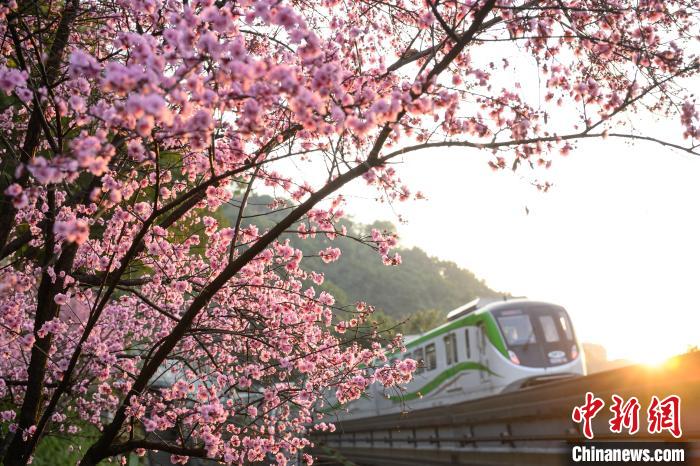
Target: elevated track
<point>530,426</point>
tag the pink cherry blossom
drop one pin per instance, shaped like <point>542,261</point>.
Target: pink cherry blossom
<point>146,286</point>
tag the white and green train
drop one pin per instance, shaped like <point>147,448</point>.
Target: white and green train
<point>482,350</point>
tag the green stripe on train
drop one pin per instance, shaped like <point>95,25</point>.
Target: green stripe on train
<point>442,377</point>
<point>486,319</point>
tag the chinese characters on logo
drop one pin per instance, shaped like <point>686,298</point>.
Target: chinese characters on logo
<point>662,415</point>
<point>665,415</point>
<point>587,412</point>
<point>625,415</point>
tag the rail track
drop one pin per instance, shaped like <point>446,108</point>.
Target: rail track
<point>530,426</point>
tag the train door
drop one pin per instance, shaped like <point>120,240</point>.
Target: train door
<point>556,336</point>
<point>481,349</point>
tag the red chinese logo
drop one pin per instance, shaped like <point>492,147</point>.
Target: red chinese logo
<point>665,415</point>
<point>587,412</point>
<point>662,415</point>
<point>625,415</point>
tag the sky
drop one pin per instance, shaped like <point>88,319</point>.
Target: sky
<point>616,240</point>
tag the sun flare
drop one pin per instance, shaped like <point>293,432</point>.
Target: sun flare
<point>653,356</point>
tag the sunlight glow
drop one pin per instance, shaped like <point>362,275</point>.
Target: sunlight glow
<point>655,360</point>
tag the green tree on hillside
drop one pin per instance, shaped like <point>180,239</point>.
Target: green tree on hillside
<point>422,321</point>
<point>420,284</point>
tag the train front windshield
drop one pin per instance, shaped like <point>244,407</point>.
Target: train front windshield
<point>537,336</point>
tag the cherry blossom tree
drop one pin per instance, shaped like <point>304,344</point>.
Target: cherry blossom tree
<point>129,306</point>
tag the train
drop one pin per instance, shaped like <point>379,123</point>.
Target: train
<point>485,348</point>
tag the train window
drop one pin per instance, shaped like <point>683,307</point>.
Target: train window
<point>564,321</point>
<point>450,348</point>
<point>549,328</point>
<point>517,329</point>
<point>420,360</point>
<point>430,357</point>
<point>468,345</point>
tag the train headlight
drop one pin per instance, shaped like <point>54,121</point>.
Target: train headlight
<point>513,357</point>
<point>574,352</point>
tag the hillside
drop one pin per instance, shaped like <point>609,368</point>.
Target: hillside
<point>420,283</point>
